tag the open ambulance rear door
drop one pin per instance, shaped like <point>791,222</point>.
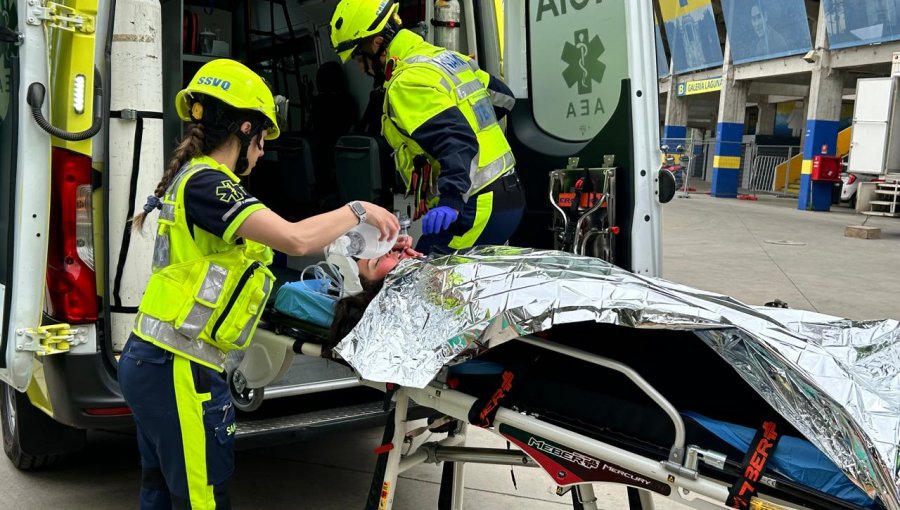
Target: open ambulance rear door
<point>48,281</point>
<point>24,192</point>
<point>584,76</point>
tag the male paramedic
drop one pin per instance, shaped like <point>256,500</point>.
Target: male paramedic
<point>441,118</point>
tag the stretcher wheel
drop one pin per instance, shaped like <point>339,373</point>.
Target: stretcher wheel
<point>244,398</point>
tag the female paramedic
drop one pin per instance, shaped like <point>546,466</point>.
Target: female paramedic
<point>209,285</point>
<point>441,117</point>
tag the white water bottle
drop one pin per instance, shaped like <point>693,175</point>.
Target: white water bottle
<point>362,242</point>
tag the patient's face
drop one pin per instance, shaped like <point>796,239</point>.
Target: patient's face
<point>374,270</point>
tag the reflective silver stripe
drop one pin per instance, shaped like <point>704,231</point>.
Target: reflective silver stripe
<point>210,289</point>
<point>161,251</point>
<point>235,207</point>
<point>501,100</point>
<point>165,333</point>
<point>213,283</point>
<point>473,64</point>
<point>485,116</point>
<point>196,320</point>
<point>446,85</point>
<point>162,245</point>
<point>479,177</point>
<point>470,87</point>
<point>417,59</point>
<point>453,63</point>
<point>168,212</point>
<point>245,333</point>
<point>448,61</point>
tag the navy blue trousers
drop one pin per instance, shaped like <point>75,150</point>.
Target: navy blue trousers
<point>488,218</point>
<point>185,428</point>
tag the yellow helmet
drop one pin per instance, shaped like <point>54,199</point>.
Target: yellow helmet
<point>354,20</point>
<point>234,84</point>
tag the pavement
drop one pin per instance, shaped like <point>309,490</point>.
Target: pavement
<point>758,251</point>
<point>754,251</point>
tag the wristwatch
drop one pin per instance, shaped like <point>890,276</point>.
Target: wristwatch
<point>358,210</point>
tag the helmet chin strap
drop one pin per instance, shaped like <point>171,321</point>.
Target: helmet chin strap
<point>375,68</point>
<point>243,163</point>
<point>374,59</point>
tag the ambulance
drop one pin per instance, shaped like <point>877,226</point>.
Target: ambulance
<point>87,121</point>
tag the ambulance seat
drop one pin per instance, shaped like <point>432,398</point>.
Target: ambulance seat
<point>357,163</point>
<point>286,179</point>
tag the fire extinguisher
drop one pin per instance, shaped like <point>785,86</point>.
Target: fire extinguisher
<point>446,24</point>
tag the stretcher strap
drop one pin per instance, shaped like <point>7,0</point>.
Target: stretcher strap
<point>436,424</point>
<point>761,449</point>
<point>484,410</point>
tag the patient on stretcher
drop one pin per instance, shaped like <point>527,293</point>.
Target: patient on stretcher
<point>701,369</point>
<point>324,300</point>
<point>349,310</point>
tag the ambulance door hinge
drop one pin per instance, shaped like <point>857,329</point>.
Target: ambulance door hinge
<point>50,339</point>
<point>59,16</point>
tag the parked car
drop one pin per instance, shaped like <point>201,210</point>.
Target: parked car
<point>851,185</point>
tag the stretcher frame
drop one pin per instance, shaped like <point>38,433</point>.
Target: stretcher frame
<point>676,478</point>
<point>679,473</point>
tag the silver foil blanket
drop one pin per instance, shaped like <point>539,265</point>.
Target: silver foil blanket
<point>835,380</point>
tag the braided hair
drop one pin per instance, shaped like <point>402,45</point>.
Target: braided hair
<point>214,125</point>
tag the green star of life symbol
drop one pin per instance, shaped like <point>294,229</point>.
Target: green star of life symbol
<point>229,191</point>
<point>584,62</point>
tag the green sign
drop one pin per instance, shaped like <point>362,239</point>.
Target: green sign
<point>578,59</point>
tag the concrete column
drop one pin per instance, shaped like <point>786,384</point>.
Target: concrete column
<point>729,132</point>
<point>822,124</point>
<point>675,129</point>
<point>765,122</point>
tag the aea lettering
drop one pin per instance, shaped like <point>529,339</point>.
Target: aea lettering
<point>585,108</point>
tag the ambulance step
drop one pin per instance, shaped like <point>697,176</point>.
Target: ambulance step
<point>887,192</point>
<point>252,433</point>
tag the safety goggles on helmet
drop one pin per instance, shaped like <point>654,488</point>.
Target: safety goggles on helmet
<point>281,110</point>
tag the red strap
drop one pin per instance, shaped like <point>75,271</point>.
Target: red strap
<point>754,466</point>
<point>384,448</point>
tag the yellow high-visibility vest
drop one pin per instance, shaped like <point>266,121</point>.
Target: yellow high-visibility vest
<point>463,84</point>
<point>206,295</point>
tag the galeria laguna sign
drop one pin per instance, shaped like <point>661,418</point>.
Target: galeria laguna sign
<point>690,88</point>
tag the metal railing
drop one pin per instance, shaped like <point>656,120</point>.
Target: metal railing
<point>770,169</point>
<point>759,171</point>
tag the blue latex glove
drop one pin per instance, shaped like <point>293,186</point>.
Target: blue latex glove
<point>438,219</point>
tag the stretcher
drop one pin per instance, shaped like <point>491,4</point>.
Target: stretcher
<point>678,423</point>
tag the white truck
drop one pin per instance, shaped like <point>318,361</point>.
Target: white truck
<point>86,121</point>
<point>874,158</point>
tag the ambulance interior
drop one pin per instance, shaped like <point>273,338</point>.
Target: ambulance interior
<point>330,151</point>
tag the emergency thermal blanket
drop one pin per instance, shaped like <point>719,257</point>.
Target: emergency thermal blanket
<point>837,381</point>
